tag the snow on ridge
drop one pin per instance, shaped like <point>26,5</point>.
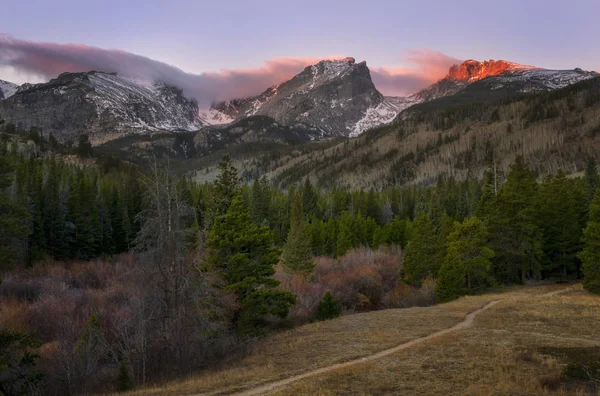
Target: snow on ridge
<point>213,116</point>
<point>142,104</point>
<point>8,89</point>
<point>382,114</point>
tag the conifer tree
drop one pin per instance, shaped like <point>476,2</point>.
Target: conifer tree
<point>261,197</point>
<point>225,188</point>
<point>297,251</point>
<point>310,201</point>
<point>559,217</point>
<point>515,235</point>
<point>592,178</point>
<point>328,307</point>
<point>13,215</point>
<point>421,259</point>
<point>245,254</point>
<point>467,264</point>
<point>590,255</point>
<point>345,235</point>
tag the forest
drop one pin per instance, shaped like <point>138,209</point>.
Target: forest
<point>116,276</point>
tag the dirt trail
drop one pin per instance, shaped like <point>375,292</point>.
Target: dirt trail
<point>466,322</point>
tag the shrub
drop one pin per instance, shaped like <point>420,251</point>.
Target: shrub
<point>328,308</point>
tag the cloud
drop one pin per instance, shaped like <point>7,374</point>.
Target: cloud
<point>37,61</point>
<point>427,67</point>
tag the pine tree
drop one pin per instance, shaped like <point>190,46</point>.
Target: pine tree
<point>592,178</point>
<point>124,380</point>
<point>245,254</point>
<point>13,215</point>
<point>54,214</point>
<point>467,264</point>
<point>560,221</point>
<point>225,189</point>
<point>590,255</point>
<point>328,307</point>
<point>515,235</point>
<point>297,251</point>
<point>345,235</point>
<point>310,201</point>
<point>261,197</point>
<point>421,259</point>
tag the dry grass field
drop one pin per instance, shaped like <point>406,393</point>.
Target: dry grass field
<point>520,346</point>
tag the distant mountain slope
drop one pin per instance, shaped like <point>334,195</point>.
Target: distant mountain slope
<point>102,105</point>
<point>7,89</point>
<point>499,78</point>
<point>339,98</point>
<point>336,97</point>
<point>552,130</point>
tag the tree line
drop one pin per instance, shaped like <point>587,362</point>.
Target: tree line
<point>200,244</point>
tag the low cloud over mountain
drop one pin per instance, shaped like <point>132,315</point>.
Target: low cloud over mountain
<point>42,61</point>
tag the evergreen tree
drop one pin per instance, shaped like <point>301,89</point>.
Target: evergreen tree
<point>592,178</point>
<point>345,235</point>
<point>328,307</point>
<point>13,215</point>
<point>310,201</point>
<point>261,197</point>
<point>559,219</point>
<point>590,255</point>
<point>297,251</point>
<point>84,147</point>
<point>124,380</point>
<point>488,196</point>
<point>515,236</point>
<point>245,254</point>
<point>225,188</point>
<point>467,264</point>
<point>421,259</point>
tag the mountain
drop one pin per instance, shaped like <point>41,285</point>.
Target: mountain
<point>7,89</point>
<point>506,78</point>
<point>557,129</point>
<point>102,105</point>
<point>337,97</point>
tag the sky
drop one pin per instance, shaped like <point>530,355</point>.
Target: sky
<point>225,49</point>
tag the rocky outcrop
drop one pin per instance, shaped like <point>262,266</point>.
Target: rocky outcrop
<point>7,89</point>
<point>102,105</point>
<point>501,76</point>
<point>331,96</point>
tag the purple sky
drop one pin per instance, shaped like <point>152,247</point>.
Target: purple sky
<point>203,37</point>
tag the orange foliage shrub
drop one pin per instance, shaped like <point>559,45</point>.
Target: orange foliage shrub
<point>362,280</point>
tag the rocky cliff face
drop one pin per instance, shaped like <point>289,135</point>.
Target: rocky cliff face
<point>500,75</point>
<point>7,89</point>
<point>332,96</point>
<point>102,105</point>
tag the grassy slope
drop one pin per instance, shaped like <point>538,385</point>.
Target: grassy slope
<point>519,347</point>
<point>472,360</point>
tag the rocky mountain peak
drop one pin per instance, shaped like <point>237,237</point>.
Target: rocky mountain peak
<point>472,70</point>
<point>103,105</point>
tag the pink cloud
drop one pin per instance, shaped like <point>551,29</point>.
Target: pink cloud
<point>427,67</point>
<point>48,60</point>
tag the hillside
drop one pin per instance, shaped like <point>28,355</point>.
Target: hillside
<point>456,137</point>
<point>519,346</point>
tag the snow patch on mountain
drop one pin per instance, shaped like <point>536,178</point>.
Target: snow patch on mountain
<point>382,114</point>
<point>7,89</point>
<point>536,80</point>
<point>213,116</point>
<point>149,106</point>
